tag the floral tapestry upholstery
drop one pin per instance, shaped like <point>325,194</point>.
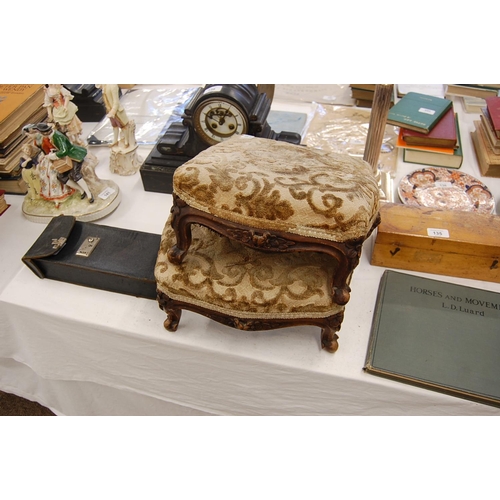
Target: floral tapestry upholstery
<point>275,185</point>
<point>226,276</point>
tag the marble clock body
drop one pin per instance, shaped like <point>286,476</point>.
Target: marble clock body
<point>215,112</point>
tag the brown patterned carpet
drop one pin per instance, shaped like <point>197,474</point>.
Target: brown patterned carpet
<point>11,405</point>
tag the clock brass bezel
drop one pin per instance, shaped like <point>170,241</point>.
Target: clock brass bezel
<point>211,136</point>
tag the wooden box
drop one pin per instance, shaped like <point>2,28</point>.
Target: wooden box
<point>451,243</point>
<point>63,165</point>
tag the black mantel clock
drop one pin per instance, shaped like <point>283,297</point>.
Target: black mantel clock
<point>214,113</point>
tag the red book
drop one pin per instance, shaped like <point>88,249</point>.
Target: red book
<point>493,106</point>
<point>443,135</point>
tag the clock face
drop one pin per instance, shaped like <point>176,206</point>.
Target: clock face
<point>216,120</point>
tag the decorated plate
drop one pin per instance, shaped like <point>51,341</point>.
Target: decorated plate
<point>446,189</point>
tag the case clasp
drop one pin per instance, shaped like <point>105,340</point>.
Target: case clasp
<point>88,246</point>
<point>58,243</point>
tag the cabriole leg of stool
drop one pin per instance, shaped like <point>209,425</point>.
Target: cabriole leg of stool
<point>173,318</point>
<point>183,235</point>
<point>348,259</point>
<point>182,230</point>
<point>176,255</point>
<point>329,331</point>
<point>329,339</point>
<point>341,290</point>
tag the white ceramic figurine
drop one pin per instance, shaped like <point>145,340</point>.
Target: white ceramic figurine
<point>124,159</point>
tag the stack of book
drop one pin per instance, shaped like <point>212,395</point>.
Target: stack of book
<point>472,95</point>
<point>429,130</point>
<point>19,104</point>
<point>481,90</point>
<point>363,93</point>
<point>472,104</point>
<point>486,138</point>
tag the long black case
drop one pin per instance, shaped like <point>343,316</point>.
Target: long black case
<point>123,260</point>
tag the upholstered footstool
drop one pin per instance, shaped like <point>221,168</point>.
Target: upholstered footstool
<point>266,234</point>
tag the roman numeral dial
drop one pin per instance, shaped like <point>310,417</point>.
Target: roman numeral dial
<point>216,120</point>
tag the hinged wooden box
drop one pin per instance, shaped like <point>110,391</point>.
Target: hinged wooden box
<point>451,243</point>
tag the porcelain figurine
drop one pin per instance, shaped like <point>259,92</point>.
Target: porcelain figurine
<point>124,159</point>
<point>62,111</point>
<point>43,178</point>
<point>61,177</point>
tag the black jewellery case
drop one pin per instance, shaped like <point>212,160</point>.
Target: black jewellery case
<point>96,256</point>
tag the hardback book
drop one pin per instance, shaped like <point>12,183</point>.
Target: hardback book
<point>11,162</point>
<point>5,151</point>
<point>436,158</point>
<point>3,203</point>
<point>363,86</point>
<point>364,95</point>
<point>492,139</point>
<point>419,112</point>
<point>364,103</point>
<point>472,104</point>
<point>13,184</point>
<point>17,103</point>
<point>40,115</point>
<point>402,144</point>
<point>444,134</point>
<point>493,107</point>
<point>485,144</point>
<point>488,128</point>
<point>436,335</point>
<point>488,161</point>
<point>482,90</point>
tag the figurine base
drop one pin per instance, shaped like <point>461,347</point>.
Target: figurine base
<point>106,194</point>
<point>123,160</point>
<point>106,201</point>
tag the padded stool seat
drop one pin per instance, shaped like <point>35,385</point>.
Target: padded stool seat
<point>279,186</point>
<point>265,234</point>
<point>246,288</point>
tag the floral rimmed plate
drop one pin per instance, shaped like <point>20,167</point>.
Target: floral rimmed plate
<point>446,189</point>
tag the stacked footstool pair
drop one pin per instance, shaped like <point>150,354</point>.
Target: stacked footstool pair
<point>265,234</point>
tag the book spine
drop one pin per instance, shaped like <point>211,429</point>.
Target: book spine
<point>376,320</point>
<point>493,106</point>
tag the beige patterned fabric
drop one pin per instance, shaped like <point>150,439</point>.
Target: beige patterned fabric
<point>275,185</point>
<point>225,276</point>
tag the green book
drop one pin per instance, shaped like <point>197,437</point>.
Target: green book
<point>437,335</point>
<point>419,112</point>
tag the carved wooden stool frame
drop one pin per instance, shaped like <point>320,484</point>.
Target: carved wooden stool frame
<point>346,254</point>
<point>329,325</point>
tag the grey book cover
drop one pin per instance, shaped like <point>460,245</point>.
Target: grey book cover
<point>437,335</point>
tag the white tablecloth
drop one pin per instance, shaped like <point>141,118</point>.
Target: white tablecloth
<point>82,351</point>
